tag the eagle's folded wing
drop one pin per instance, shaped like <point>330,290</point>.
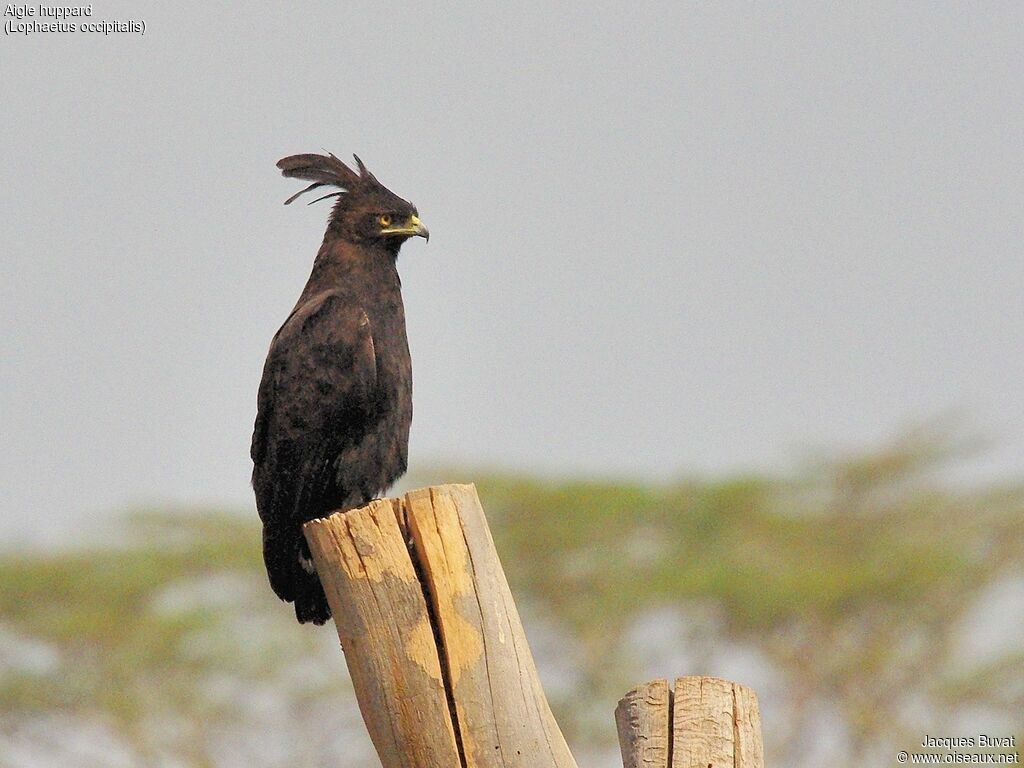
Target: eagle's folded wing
<point>323,353</point>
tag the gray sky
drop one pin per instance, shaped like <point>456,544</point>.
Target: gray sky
<point>666,239</point>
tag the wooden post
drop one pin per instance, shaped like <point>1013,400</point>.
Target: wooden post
<point>436,651</point>
<point>440,664</point>
<point>705,723</point>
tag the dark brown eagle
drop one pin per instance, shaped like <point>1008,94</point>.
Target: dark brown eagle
<point>335,402</point>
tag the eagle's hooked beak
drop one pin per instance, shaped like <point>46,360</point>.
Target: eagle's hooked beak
<point>412,228</point>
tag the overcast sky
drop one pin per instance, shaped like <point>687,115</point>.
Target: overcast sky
<point>665,239</point>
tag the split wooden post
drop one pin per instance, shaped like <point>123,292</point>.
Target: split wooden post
<point>436,651</point>
<point>706,722</point>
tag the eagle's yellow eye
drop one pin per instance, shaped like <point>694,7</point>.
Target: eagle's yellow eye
<point>385,220</point>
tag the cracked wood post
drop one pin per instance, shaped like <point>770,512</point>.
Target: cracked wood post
<point>431,635</point>
<point>706,722</point>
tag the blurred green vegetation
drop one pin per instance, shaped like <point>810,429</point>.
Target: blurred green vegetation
<point>850,596</point>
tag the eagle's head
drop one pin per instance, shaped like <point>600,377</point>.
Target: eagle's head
<point>365,211</point>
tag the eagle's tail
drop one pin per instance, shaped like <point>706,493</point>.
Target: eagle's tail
<point>292,577</point>
<point>310,600</point>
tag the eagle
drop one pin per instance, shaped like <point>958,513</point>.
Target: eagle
<point>335,402</point>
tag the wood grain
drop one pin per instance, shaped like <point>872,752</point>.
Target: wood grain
<point>705,722</point>
<point>716,724</point>
<point>437,653</point>
<point>384,627</point>
<point>643,717</point>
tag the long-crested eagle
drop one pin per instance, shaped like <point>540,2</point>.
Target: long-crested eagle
<point>335,402</point>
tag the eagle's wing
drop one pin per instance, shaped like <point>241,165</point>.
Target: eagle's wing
<point>321,361</point>
<point>317,392</point>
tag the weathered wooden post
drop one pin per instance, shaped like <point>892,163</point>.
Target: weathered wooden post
<point>706,722</point>
<point>433,641</point>
<point>440,664</point>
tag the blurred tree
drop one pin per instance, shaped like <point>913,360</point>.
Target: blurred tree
<point>852,598</point>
